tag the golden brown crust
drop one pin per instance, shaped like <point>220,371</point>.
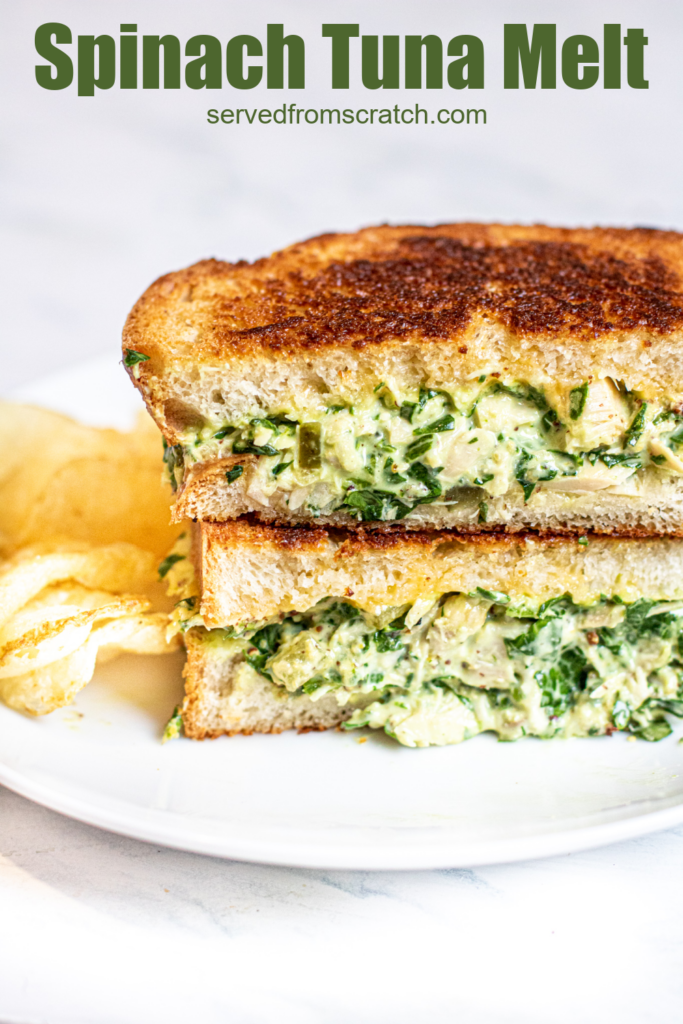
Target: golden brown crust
<point>249,533</point>
<point>388,283</point>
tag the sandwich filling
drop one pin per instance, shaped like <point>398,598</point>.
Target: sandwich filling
<point>444,669</point>
<point>381,459</point>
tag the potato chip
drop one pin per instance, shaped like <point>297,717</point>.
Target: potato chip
<point>61,479</point>
<point>47,686</point>
<point>84,523</point>
<point>53,686</point>
<point>54,638</point>
<point>136,634</point>
<point>118,568</point>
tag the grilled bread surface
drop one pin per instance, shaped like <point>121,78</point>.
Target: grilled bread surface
<point>250,571</point>
<point>420,305</point>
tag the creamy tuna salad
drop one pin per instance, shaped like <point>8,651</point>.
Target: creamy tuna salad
<point>444,669</point>
<point>381,459</point>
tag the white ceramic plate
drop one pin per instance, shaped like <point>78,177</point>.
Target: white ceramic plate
<point>320,800</point>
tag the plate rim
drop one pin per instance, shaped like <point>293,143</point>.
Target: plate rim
<point>436,856</point>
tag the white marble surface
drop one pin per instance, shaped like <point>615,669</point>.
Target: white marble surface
<point>96,928</point>
<point>98,197</point>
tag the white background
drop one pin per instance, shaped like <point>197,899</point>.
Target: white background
<point>101,195</point>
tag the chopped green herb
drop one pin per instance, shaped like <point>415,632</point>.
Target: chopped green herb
<point>483,512</point>
<point>224,432</point>
<point>583,541</point>
<point>281,467</point>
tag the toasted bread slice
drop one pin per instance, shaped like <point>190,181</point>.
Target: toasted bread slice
<point>253,574</point>
<point>225,696</point>
<point>249,571</point>
<point>654,507</point>
<point>391,314</point>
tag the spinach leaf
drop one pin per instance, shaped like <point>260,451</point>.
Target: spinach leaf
<point>132,358</point>
<point>635,625</point>
<point>428,477</point>
<point>561,684</point>
<point>265,642</point>
<point>577,400</point>
<point>671,707</point>
<point>446,422</point>
<point>527,485</point>
<point>551,421</point>
<point>619,459</point>
<point>388,640</point>
<point>637,427</point>
<point>224,432</point>
<point>418,448</point>
<point>173,459</point>
<point>541,639</point>
<point>409,410</point>
<point>375,504</point>
<point>166,564</point>
<point>390,475</point>
<point>556,606</point>
<point>249,448</point>
<point>497,596</point>
<point>621,714</point>
<point>523,391</point>
<point>655,731</point>
<point>281,467</point>
<point>234,474</point>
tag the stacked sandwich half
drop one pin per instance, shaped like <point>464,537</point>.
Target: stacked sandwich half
<point>435,477</point>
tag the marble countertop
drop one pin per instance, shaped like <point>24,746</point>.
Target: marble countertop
<point>99,929</point>
<point>99,196</point>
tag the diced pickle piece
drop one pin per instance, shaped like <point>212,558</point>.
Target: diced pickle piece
<point>309,446</point>
<point>466,497</point>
